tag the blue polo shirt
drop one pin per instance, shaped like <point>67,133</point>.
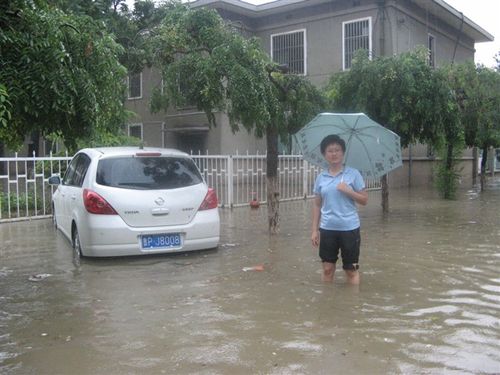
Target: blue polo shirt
<point>338,211</point>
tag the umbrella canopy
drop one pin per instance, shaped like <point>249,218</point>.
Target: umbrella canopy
<point>370,148</point>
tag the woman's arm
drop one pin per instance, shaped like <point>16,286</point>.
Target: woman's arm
<point>316,213</point>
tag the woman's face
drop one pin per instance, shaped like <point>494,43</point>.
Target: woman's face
<point>334,154</point>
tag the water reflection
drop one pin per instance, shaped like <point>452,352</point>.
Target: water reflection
<point>428,300</point>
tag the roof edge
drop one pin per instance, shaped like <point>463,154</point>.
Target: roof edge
<point>489,37</point>
<point>255,10</point>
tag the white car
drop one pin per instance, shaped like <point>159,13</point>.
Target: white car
<point>119,201</point>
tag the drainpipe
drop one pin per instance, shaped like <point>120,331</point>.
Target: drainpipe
<point>381,16</point>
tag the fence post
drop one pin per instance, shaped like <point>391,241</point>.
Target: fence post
<point>230,181</point>
<point>305,178</point>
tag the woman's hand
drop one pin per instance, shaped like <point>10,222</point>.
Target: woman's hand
<point>315,238</point>
<point>360,197</point>
<point>344,188</point>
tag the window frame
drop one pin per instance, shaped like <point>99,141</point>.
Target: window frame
<point>138,124</point>
<point>370,38</point>
<point>296,31</point>
<point>140,87</point>
<point>77,170</point>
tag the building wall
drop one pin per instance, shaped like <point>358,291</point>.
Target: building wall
<point>151,79</point>
<point>411,26</point>
<point>421,172</point>
<point>323,27</point>
<point>239,142</point>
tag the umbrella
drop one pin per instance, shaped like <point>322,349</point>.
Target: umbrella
<point>370,148</point>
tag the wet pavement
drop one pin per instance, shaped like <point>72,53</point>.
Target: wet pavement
<point>428,303</point>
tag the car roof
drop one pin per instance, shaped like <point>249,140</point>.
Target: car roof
<point>130,151</point>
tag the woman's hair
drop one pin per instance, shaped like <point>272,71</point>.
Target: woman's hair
<point>330,140</point>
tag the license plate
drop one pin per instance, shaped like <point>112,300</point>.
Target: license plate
<point>161,241</point>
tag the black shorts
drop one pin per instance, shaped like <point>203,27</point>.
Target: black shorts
<point>348,242</point>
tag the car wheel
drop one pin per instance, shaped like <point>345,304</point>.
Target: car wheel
<point>77,247</point>
<point>54,219</point>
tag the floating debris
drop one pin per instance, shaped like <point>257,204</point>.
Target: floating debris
<point>39,277</point>
<point>259,267</point>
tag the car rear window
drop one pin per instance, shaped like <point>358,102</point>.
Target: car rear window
<point>147,172</point>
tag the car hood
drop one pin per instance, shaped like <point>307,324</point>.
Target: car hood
<point>150,208</point>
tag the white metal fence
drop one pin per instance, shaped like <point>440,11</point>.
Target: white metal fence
<point>24,189</point>
<point>237,179</point>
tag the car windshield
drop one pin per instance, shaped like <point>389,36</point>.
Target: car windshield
<point>147,172</point>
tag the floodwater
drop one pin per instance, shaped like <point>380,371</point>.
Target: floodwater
<point>428,303</point>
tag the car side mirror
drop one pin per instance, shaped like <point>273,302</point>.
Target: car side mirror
<point>54,180</point>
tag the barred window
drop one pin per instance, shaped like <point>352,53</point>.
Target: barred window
<point>431,45</point>
<point>290,49</point>
<point>135,86</point>
<point>135,130</point>
<point>356,35</point>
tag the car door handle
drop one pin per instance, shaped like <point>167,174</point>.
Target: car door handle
<point>160,211</point>
<point>73,197</point>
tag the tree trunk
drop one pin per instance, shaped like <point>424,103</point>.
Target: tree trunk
<point>273,202</point>
<point>385,194</point>
<point>34,146</point>
<point>484,160</point>
<point>474,166</point>
<point>449,157</point>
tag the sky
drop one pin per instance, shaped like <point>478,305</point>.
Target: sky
<point>484,13</point>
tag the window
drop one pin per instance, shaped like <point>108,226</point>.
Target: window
<point>135,86</point>
<point>290,49</point>
<point>431,45</point>
<point>75,174</point>
<point>135,130</point>
<point>356,35</point>
<point>147,172</point>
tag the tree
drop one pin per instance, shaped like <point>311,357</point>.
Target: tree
<point>4,114</point>
<point>480,107</point>
<point>208,63</point>
<point>400,92</point>
<point>61,72</point>
<point>452,80</point>
<point>4,107</point>
<point>132,31</point>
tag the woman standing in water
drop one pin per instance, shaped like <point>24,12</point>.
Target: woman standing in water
<point>335,219</point>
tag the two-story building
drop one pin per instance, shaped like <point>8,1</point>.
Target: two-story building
<point>315,38</point>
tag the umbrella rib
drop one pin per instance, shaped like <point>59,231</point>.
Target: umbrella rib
<point>387,148</point>
<point>367,154</point>
<point>383,144</point>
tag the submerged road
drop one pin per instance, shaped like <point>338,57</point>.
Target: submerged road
<point>429,300</point>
